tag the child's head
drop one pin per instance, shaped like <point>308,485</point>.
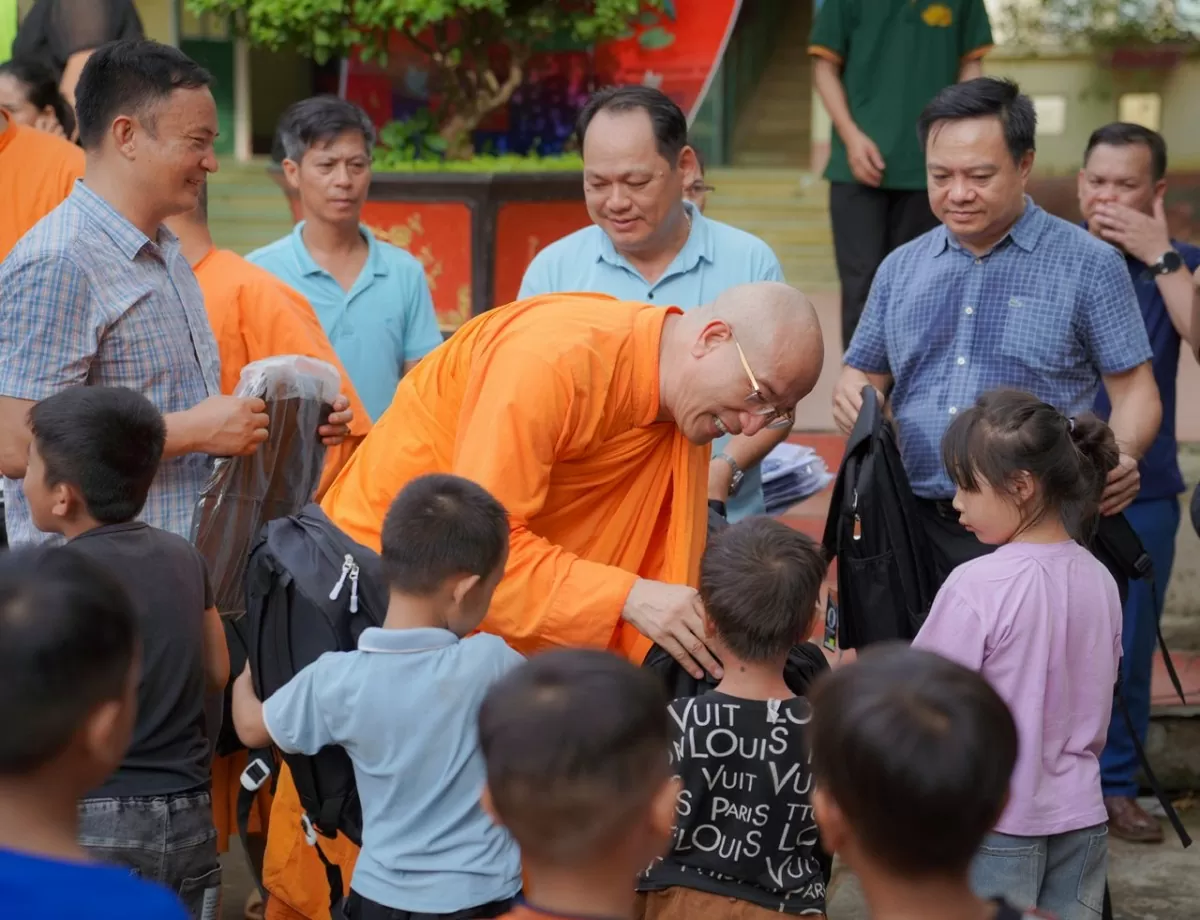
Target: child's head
<point>577,751</point>
<point>760,581</point>
<point>95,451</point>
<point>445,539</point>
<point>912,756</point>
<point>68,640</point>
<point>1017,461</point>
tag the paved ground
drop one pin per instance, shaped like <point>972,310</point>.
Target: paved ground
<point>1148,883</point>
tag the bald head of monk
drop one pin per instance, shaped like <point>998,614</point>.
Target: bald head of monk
<point>741,363</point>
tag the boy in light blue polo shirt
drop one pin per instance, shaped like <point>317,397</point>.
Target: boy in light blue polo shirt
<point>372,298</point>
<point>404,706</point>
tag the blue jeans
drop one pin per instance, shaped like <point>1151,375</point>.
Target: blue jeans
<point>1063,874</point>
<point>1156,523</point>
<point>166,839</point>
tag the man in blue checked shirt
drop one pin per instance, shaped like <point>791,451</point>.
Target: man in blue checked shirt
<point>99,294</point>
<point>1001,295</point>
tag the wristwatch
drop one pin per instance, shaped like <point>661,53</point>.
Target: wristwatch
<point>738,475</point>
<point>1169,261</point>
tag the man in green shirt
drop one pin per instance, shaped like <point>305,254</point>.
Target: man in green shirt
<point>876,64</point>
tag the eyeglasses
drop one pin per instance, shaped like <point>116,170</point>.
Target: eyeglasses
<point>778,418</point>
<point>698,188</point>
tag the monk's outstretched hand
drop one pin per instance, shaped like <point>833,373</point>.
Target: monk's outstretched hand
<point>672,616</point>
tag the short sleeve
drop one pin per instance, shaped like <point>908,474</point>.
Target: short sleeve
<point>48,336</point>
<point>294,715</point>
<point>1112,328</point>
<point>975,31</point>
<point>421,332</point>
<point>867,350</point>
<point>537,278</point>
<point>766,266</point>
<point>831,31</point>
<point>954,630</point>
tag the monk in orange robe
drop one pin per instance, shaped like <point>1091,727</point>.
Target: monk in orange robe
<point>37,171</point>
<point>254,315</point>
<point>590,419</point>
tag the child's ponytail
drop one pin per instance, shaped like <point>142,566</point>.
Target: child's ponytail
<point>1098,456</point>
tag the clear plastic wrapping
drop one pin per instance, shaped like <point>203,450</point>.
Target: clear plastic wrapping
<point>277,480</point>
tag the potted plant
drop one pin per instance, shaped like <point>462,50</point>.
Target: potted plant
<point>449,186</point>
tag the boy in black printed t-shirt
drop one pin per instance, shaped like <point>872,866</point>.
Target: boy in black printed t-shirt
<point>744,821</point>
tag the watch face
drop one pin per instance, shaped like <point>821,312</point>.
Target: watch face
<point>1170,262</point>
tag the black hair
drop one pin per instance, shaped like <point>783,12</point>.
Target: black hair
<point>666,118</point>
<point>1008,432</point>
<point>984,97</point>
<point>439,527</point>
<point>104,441</point>
<point>68,637</point>
<point>760,581</point>
<point>130,77</point>
<point>1125,134</point>
<point>699,159</point>
<point>41,90</point>
<point>317,120</point>
<point>575,742</point>
<point>917,752</point>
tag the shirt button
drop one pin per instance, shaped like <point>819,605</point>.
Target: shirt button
<point>970,310</point>
<point>961,361</point>
<point>954,410</point>
<point>649,295</point>
<point>979,261</point>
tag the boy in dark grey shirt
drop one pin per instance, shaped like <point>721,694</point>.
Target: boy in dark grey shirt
<point>94,453</point>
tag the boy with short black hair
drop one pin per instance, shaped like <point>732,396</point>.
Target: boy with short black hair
<point>912,755</point>
<point>575,743</point>
<point>68,640</point>
<point>94,453</point>
<point>744,825</point>
<point>404,706</point>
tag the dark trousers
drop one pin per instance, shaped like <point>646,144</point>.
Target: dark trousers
<point>868,223</point>
<point>356,907</point>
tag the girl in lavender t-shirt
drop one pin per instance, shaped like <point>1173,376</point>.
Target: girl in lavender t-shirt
<point>1040,618</point>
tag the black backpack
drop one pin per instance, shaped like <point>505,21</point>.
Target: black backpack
<point>310,589</point>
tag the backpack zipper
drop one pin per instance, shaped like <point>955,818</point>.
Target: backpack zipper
<point>354,588</point>
<point>347,566</point>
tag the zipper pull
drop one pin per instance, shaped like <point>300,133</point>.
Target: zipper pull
<point>347,565</point>
<point>354,589</point>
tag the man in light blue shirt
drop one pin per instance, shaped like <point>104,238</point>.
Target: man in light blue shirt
<point>649,244</point>
<point>372,298</point>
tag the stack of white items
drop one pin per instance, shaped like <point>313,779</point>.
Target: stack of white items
<point>790,474</point>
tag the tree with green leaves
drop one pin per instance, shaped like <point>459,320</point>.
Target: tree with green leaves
<point>459,36</point>
<point>1097,24</point>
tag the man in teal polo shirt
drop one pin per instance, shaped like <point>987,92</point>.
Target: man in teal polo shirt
<point>372,298</point>
<point>876,65</point>
<point>649,244</point>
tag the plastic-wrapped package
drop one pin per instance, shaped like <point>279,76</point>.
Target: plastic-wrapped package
<point>277,480</point>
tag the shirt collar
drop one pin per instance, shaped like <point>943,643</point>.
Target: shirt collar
<point>1024,233</point>
<point>308,265</point>
<point>105,529</point>
<point>698,247</point>
<point>400,641</point>
<point>129,239</point>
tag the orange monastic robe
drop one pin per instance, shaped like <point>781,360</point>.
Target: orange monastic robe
<point>254,315</point>
<point>37,171</point>
<point>550,404</point>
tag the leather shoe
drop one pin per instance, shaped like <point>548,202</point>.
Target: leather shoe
<point>1129,821</point>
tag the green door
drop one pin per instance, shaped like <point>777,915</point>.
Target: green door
<point>207,41</point>
<point>216,56</point>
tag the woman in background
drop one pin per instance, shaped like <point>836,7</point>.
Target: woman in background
<point>29,94</point>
